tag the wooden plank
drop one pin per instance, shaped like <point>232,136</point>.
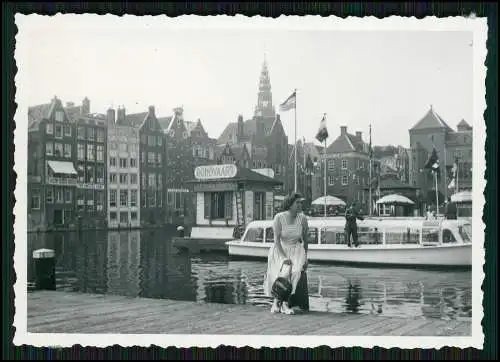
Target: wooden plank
<point>85,313</point>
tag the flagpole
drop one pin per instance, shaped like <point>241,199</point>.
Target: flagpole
<point>295,157</point>
<point>370,174</point>
<point>437,196</point>
<point>445,176</point>
<point>304,168</point>
<point>324,171</point>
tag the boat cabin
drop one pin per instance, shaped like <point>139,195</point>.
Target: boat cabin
<point>373,232</point>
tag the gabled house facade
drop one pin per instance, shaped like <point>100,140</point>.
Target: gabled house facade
<point>348,168</point>
<point>151,165</point>
<point>123,179</point>
<point>52,178</point>
<point>179,165</point>
<point>90,142</point>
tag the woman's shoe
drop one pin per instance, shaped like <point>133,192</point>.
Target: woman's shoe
<point>275,308</point>
<point>285,309</point>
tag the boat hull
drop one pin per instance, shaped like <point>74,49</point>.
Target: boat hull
<point>437,256</point>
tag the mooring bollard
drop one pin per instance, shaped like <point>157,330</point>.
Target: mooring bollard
<point>45,269</point>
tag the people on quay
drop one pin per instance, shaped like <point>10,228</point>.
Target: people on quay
<point>289,248</point>
<point>450,210</point>
<point>351,227</point>
<point>429,213</point>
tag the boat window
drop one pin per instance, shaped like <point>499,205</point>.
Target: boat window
<point>254,235</point>
<point>430,235</point>
<point>313,236</point>
<point>269,235</point>
<point>448,236</point>
<point>370,235</point>
<point>332,235</point>
<point>402,235</point>
<point>465,232</point>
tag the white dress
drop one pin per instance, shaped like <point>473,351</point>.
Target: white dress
<point>291,242</point>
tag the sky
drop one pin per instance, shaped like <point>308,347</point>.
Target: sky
<point>388,79</point>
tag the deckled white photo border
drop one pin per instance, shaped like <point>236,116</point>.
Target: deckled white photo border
<point>478,26</point>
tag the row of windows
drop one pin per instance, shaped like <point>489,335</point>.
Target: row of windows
<point>93,152</point>
<point>90,174</point>
<point>124,162</point>
<point>154,158</point>
<point>90,134</point>
<point>152,140</point>
<point>61,195</point>
<point>124,147</point>
<point>360,164</point>
<point>152,180</point>
<point>345,180</point>
<point>203,152</point>
<point>123,178</point>
<point>58,130</point>
<point>58,149</point>
<point>127,198</point>
<point>123,216</point>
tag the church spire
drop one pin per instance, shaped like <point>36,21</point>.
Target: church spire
<point>264,106</point>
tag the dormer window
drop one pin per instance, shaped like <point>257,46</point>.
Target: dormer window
<point>59,116</point>
<point>171,133</point>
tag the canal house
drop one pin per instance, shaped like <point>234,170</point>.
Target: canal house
<point>52,178</point>
<point>123,174</point>
<point>90,149</point>
<point>228,195</point>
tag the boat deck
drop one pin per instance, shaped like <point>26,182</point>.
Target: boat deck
<point>63,312</point>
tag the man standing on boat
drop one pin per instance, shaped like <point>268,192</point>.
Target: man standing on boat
<point>351,228</point>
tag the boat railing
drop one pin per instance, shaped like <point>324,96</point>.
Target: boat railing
<point>428,234</point>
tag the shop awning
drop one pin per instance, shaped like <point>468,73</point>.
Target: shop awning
<point>62,167</point>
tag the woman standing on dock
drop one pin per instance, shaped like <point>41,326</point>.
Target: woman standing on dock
<point>290,246</point>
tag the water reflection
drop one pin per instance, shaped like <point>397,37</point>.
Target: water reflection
<point>142,263</point>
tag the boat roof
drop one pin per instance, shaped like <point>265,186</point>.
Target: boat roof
<point>381,222</point>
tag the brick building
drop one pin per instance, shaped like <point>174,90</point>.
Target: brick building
<point>91,151</point>
<point>431,131</point>
<point>348,168</point>
<point>151,165</point>
<point>52,177</point>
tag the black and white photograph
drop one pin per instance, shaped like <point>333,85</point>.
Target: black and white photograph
<point>249,181</point>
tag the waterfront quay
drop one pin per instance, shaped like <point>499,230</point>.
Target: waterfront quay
<point>63,312</point>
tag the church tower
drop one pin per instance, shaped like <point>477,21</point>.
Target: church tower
<point>264,108</point>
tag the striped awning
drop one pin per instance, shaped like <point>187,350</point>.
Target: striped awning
<point>62,167</point>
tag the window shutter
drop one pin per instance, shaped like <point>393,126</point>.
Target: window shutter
<point>229,205</point>
<point>207,205</point>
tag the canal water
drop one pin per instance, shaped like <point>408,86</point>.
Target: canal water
<point>143,264</point>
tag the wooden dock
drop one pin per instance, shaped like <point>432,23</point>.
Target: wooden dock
<point>63,312</point>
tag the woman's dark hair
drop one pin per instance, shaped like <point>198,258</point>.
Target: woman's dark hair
<point>290,199</point>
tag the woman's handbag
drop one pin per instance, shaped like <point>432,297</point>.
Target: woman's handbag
<point>282,286</point>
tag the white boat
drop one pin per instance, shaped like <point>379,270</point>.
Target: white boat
<point>439,243</point>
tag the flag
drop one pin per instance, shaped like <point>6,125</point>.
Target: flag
<point>289,103</point>
<point>455,169</point>
<point>322,134</point>
<point>433,162</point>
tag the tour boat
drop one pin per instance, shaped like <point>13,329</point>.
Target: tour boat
<point>439,243</point>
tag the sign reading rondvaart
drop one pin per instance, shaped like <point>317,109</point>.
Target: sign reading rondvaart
<point>215,172</point>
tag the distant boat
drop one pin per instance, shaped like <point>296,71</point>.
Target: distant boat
<point>405,242</point>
